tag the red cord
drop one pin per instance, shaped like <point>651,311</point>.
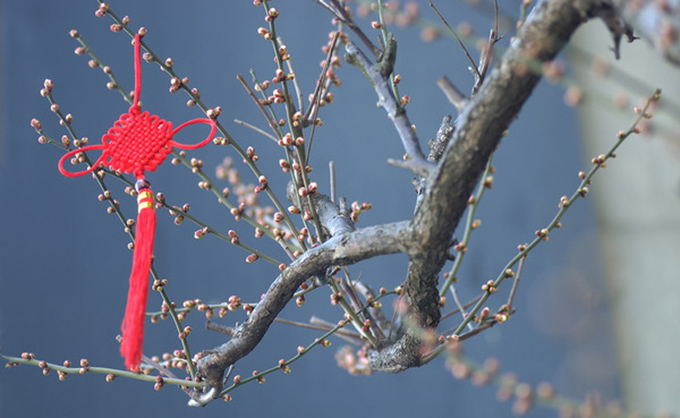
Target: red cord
<point>138,70</point>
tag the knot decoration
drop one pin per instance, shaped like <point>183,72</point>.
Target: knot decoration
<point>136,143</point>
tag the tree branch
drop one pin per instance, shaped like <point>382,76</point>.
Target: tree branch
<point>334,219</point>
<point>479,130</point>
<point>341,250</point>
<point>378,74</point>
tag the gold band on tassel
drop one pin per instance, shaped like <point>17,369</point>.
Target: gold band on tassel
<point>144,200</point>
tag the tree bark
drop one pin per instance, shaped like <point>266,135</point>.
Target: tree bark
<point>479,130</point>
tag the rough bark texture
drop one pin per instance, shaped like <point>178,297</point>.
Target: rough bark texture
<point>478,132</point>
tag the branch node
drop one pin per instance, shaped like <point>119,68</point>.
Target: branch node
<point>385,63</point>
<point>202,399</point>
<point>455,96</point>
<point>418,166</point>
<point>220,328</point>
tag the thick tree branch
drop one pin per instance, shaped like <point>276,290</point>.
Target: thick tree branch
<point>344,249</point>
<point>478,132</point>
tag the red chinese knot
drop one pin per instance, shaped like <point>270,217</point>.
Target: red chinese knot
<point>137,142</point>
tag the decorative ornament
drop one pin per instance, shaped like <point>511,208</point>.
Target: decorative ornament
<point>137,142</point>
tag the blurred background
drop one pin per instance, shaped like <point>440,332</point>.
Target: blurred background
<point>595,307</point>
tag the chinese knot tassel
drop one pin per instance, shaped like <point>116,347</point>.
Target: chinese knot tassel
<point>136,143</point>
<point>133,322</point>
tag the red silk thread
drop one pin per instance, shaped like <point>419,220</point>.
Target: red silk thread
<point>137,142</point>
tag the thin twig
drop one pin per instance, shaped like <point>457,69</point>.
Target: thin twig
<point>349,290</point>
<point>460,307</point>
<point>322,77</point>
<point>467,305</point>
<point>160,368</point>
<point>511,298</point>
<point>320,325</point>
<point>487,52</point>
<point>342,14</point>
<point>100,370</point>
<point>272,123</point>
<point>460,41</point>
<point>296,84</point>
<point>331,169</point>
<point>462,246</point>
<point>316,101</point>
<point>256,129</point>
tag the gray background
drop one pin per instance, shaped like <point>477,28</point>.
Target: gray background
<point>64,263</point>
